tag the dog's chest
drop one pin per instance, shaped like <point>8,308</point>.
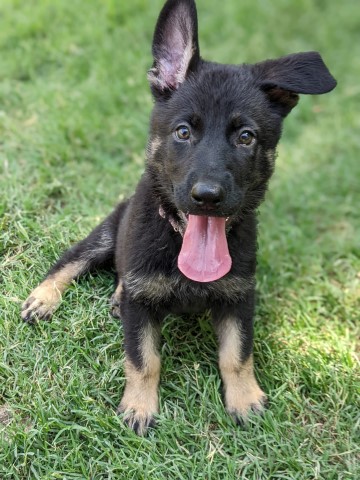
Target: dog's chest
<point>159,288</point>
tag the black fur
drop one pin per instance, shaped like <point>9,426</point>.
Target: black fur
<point>216,103</point>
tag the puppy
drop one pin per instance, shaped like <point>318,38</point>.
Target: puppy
<point>186,240</point>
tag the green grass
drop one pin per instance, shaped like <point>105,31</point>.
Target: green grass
<point>74,109</point>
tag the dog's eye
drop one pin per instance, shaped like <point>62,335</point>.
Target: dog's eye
<point>182,132</point>
<point>246,138</point>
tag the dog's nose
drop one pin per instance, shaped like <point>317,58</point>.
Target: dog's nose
<point>209,195</point>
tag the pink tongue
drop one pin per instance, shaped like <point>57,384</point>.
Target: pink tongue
<point>204,255</point>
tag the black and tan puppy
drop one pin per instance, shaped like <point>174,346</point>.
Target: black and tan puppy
<point>186,240</point>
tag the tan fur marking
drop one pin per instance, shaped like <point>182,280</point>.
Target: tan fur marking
<point>118,292</point>
<point>116,300</point>
<point>160,287</point>
<point>270,155</point>
<point>140,399</point>
<point>47,296</point>
<point>242,392</point>
<point>154,146</point>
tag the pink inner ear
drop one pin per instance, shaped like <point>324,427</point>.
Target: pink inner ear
<point>173,59</point>
<point>169,70</point>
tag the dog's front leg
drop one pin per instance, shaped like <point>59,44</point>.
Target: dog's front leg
<point>139,403</point>
<point>234,328</point>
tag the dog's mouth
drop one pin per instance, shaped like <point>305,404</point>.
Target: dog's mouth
<point>204,255</point>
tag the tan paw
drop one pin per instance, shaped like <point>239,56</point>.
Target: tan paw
<point>116,300</point>
<point>244,400</point>
<point>138,418</point>
<point>140,401</point>
<point>41,303</point>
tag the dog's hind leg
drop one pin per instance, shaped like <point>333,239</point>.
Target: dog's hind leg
<point>115,300</point>
<point>95,251</point>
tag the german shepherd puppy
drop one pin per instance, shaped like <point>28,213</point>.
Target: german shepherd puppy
<point>186,240</point>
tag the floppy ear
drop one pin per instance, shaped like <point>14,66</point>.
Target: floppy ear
<point>283,79</point>
<point>175,46</point>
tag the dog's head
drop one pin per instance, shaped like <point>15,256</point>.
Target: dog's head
<point>215,127</point>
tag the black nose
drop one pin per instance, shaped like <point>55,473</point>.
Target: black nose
<point>205,194</point>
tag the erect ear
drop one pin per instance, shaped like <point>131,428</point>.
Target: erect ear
<point>175,46</point>
<point>283,79</point>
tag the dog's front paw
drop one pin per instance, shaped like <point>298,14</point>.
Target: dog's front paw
<point>140,403</point>
<point>244,400</point>
<point>137,417</point>
<point>41,303</point>
<point>138,420</point>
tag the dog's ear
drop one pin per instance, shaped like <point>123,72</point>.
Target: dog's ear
<point>175,47</point>
<point>283,79</point>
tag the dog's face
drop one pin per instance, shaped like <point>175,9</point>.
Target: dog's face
<point>215,127</point>
<point>214,141</point>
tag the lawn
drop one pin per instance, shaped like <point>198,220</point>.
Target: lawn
<point>74,110</point>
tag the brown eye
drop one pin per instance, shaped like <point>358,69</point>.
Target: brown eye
<point>182,132</point>
<point>246,138</point>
